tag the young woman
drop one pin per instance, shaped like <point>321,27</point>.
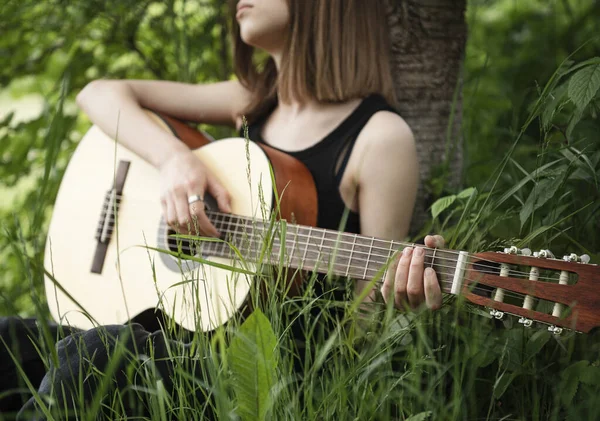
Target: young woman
<point>323,94</point>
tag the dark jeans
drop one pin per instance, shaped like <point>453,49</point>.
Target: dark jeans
<point>83,361</point>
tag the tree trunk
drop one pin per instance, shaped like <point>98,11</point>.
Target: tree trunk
<point>428,45</point>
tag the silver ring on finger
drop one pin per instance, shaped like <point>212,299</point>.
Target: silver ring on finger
<point>194,198</point>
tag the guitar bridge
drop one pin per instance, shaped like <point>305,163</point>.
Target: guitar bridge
<point>109,216</point>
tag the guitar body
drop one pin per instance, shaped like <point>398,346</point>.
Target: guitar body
<point>103,272</point>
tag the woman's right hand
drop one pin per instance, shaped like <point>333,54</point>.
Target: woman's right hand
<point>183,176</point>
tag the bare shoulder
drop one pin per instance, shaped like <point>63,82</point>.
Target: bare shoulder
<point>386,134</point>
<point>385,150</point>
<point>386,174</point>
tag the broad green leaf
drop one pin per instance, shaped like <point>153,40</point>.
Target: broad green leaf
<point>466,193</point>
<point>584,85</point>
<point>535,343</point>
<point>554,103</point>
<point>422,416</point>
<point>573,68</point>
<point>253,363</point>
<point>538,197</point>
<point>591,376</point>
<point>442,204</point>
<point>570,381</point>
<point>573,122</point>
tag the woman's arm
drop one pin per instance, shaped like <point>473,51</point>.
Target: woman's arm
<point>387,177</point>
<point>117,108</point>
<point>112,102</point>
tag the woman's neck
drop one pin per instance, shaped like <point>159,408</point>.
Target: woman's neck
<point>291,109</point>
<point>294,126</point>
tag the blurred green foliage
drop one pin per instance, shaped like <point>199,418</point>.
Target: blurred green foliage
<point>531,152</point>
<point>54,48</point>
<point>532,160</point>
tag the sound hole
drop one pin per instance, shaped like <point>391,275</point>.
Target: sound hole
<point>183,245</point>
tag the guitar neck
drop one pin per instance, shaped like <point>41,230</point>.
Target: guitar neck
<point>327,251</point>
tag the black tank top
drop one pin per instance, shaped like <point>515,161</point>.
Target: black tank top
<point>322,158</point>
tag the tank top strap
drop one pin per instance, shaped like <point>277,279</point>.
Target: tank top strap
<point>370,106</point>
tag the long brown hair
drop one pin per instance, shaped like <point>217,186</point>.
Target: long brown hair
<point>336,50</point>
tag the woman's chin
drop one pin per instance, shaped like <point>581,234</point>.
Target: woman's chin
<point>249,35</point>
<point>253,40</point>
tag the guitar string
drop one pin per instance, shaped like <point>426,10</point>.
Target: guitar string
<point>438,258</point>
<point>513,273</point>
<point>372,272</point>
<point>164,226</point>
<point>339,241</point>
<point>356,254</point>
<point>442,282</point>
<point>518,296</point>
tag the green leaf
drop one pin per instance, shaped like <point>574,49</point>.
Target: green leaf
<point>584,85</point>
<point>502,383</point>
<point>422,416</point>
<point>591,376</point>
<point>570,381</point>
<point>573,121</point>
<point>553,104</point>
<point>536,343</point>
<point>466,193</point>
<point>538,197</point>
<point>442,204</point>
<point>253,363</point>
<point>529,177</point>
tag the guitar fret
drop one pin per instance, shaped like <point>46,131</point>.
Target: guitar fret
<point>212,246</point>
<point>392,249</point>
<point>206,247</point>
<point>390,254</point>
<point>235,232</point>
<point>306,247</point>
<point>368,258</point>
<point>321,246</point>
<point>433,258</point>
<point>295,240</point>
<point>350,256</point>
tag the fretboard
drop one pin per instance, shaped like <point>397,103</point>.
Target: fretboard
<point>322,250</point>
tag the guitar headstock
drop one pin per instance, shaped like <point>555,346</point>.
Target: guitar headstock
<point>536,287</point>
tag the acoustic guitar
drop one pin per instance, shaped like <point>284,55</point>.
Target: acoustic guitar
<point>110,255</point>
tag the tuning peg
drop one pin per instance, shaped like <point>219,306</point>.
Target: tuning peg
<point>544,254</point>
<point>584,258</point>
<point>555,330</point>
<point>496,314</point>
<point>515,250</point>
<point>526,322</point>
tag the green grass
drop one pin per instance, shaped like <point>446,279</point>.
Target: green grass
<point>454,364</point>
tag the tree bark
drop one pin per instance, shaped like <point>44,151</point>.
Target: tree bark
<point>428,45</point>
